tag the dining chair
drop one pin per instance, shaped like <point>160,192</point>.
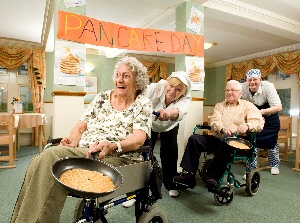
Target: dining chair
<point>8,138</point>
<point>297,156</point>
<point>290,151</point>
<point>284,135</point>
<point>206,121</point>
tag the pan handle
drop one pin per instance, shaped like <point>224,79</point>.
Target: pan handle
<point>95,155</point>
<point>156,113</point>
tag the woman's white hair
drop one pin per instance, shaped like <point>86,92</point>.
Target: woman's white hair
<point>238,84</point>
<point>135,66</point>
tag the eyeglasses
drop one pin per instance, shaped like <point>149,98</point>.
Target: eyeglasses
<point>125,75</point>
<point>233,90</point>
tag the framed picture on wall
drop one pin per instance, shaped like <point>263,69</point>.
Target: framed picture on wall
<point>90,86</point>
<point>282,76</point>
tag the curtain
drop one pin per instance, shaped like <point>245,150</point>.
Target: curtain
<point>156,70</point>
<point>14,57</point>
<point>287,62</point>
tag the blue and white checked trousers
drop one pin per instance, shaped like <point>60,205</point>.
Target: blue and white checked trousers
<point>273,157</point>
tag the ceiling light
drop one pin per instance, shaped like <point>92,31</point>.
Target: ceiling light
<point>209,45</point>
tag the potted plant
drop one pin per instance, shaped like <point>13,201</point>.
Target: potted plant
<point>18,105</point>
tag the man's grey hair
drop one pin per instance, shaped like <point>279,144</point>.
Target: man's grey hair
<point>238,84</point>
<point>135,66</point>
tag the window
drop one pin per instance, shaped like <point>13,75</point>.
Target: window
<point>15,83</point>
<point>3,97</point>
<point>3,70</point>
<point>26,98</point>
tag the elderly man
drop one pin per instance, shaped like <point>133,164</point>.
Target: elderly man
<point>264,95</point>
<point>230,116</point>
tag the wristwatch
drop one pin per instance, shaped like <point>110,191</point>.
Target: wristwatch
<point>119,149</point>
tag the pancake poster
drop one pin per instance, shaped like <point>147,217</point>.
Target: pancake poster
<point>70,60</point>
<point>195,20</point>
<point>195,68</point>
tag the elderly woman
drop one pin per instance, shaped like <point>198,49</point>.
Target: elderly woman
<point>116,121</point>
<point>171,98</point>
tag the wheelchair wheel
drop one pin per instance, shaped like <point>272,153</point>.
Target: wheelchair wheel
<point>153,215</point>
<point>204,170</point>
<point>224,200</point>
<point>78,209</point>
<point>253,182</point>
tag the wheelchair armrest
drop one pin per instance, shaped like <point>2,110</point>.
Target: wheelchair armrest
<point>142,149</point>
<point>54,141</point>
<point>199,126</point>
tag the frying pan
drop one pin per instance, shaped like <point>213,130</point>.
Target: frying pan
<point>240,140</point>
<point>69,163</point>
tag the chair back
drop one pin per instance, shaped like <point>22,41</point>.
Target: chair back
<point>8,138</point>
<point>285,134</point>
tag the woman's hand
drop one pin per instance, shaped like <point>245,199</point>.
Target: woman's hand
<point>67,142</point>
<point>164,115</point>
<point>104,148</point>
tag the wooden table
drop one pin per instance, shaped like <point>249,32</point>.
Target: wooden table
<point>28,120</point>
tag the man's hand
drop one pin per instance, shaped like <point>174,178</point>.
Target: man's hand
<point>243,128</point>
<point>227,132</point>
<point>67,142</point>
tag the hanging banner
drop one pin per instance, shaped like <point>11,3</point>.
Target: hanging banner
<point>82,29</point>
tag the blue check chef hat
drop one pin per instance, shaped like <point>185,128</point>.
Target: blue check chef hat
<point>253,73</point>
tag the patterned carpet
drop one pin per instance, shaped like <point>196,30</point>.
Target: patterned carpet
<point>276,201</point>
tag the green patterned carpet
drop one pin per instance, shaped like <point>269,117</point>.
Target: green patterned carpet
<point>276,201</point>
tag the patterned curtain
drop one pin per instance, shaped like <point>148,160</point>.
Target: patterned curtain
<point>156,70</point>
<point>37,67</point>
<point>14,57</point>
<point>287,62</point>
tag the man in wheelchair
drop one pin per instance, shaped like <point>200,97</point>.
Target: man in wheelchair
<point>231,116</point>
<point>115,122</point>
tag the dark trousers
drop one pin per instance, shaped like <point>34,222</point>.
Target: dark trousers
<point>206,143</point>
<point>168,155</point>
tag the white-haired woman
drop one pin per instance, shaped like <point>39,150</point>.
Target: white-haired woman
<point>116,121</point>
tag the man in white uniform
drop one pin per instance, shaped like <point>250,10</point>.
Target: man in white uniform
<point>264,95</point>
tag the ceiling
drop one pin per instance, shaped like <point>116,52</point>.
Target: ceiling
<point>242,29</point>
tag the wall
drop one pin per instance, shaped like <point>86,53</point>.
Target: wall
<point>214,85</point>
<point>293,84</point>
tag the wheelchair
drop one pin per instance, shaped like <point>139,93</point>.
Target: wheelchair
<point>224,194</point>
<point>141,181</point>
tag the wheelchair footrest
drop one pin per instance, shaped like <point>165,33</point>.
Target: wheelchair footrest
<point>218,192</point>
